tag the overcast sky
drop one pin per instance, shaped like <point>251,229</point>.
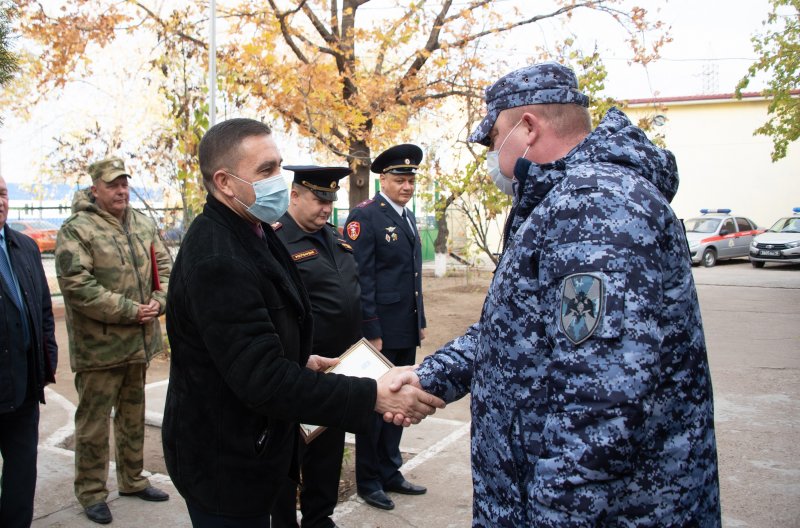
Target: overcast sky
<point>710,52</point>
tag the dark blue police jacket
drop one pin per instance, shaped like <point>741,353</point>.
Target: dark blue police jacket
<point>389,257</point>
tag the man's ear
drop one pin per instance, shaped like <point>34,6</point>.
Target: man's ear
<point>222,182</point>
<point>533,127</point>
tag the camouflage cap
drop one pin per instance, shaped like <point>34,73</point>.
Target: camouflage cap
<point>545,83</point>
<point>108,169</point>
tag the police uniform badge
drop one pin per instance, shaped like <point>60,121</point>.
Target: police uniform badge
<point>353,230</point>
<point>391,236</point>
<point>581,305</point>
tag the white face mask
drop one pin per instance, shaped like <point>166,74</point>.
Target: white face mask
<point>503,182</point>
<point>506,185</point>
<point>272,198</point>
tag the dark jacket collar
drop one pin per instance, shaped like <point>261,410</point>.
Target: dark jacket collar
<point>10,236</point>
<point>270,255</point>
<point>292,231</point>
<point>387,209</point>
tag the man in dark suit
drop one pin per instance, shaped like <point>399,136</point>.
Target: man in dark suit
<point>242,375</point>
<point>387,248</point>
<point>27,335</point>
<point>328,270</point>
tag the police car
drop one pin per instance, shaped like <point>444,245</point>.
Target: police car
<point>718,235</point>
<point>779,243</point>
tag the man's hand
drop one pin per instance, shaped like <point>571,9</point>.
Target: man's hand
<point>377,343</point>
<point>148,312</point>
<point>406,404</point>
<point>320,363</point>
<point>421,334</point>
<point>400,376</point>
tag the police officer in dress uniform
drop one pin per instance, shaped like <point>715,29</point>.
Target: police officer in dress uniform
<point>387,248</point>
<point>328,270</point>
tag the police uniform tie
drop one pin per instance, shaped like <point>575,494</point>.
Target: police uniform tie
<point>8,276</point>
<point>408,221</point>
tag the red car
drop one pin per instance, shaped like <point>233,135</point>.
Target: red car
<point>44,233</point>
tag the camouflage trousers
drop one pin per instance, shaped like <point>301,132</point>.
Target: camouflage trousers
<point>120,388</point>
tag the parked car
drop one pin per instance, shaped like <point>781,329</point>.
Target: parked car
<point>42,232</point>
<point>718,235</point>
<point>779,243</point>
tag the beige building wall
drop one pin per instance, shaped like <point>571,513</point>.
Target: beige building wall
<point>720,162</point>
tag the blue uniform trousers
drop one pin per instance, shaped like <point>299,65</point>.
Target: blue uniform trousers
<point>378,456</point>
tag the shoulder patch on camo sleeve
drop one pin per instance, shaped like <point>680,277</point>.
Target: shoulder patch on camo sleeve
<point>582,297</point>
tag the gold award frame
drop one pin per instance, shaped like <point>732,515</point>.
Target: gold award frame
<point>361,360</point>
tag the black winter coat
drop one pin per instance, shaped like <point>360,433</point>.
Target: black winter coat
<point>239,326</point>
<point>27,263</point>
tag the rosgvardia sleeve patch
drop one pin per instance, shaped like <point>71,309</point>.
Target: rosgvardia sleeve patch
<point>582,299</point>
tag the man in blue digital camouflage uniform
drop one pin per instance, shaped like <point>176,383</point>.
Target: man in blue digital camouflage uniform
<point>591,394</point>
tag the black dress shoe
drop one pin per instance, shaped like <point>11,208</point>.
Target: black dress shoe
<point>98,513</point>
<point>149,494</point>
<point>378,499</point>
<point>406,488</point>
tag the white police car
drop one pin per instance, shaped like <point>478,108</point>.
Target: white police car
<point>719,235</point>
<point>779,243</point>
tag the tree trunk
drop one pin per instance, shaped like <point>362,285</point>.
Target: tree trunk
<point>443,233</point>
<point>359,180</point>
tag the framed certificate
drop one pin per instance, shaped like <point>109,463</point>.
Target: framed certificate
<point>361,360</point>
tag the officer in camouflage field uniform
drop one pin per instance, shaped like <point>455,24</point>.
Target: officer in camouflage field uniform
<point>113,271</point>
<point>591,393</point>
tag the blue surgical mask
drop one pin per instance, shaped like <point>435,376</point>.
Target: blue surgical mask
<point>503,182</point>
<point>272,198</point>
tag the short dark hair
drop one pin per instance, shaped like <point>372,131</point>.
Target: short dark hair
<point>219,147</point>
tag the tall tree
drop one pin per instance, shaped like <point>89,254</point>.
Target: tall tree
<point>778,48</point>
<point>334,70</point>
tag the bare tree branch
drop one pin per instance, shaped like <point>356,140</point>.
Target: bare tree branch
<point>287,35</point>
<point>155,18</point>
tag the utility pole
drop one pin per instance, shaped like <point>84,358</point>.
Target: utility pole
<point>212,64</point>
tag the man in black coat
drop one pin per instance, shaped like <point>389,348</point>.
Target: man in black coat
<point>240,329</point>
<point>329,274</point>
<point>27,338</point>
<point>387,248</point>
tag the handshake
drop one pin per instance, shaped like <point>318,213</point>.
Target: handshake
<point>401,399</point>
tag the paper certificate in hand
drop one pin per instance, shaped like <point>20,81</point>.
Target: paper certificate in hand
<point>361,360</point>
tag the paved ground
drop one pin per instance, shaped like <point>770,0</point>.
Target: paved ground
<point>752,321</point>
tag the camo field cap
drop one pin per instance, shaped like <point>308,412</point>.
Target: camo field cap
<point>545,83</point>
<point>108,169</point>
